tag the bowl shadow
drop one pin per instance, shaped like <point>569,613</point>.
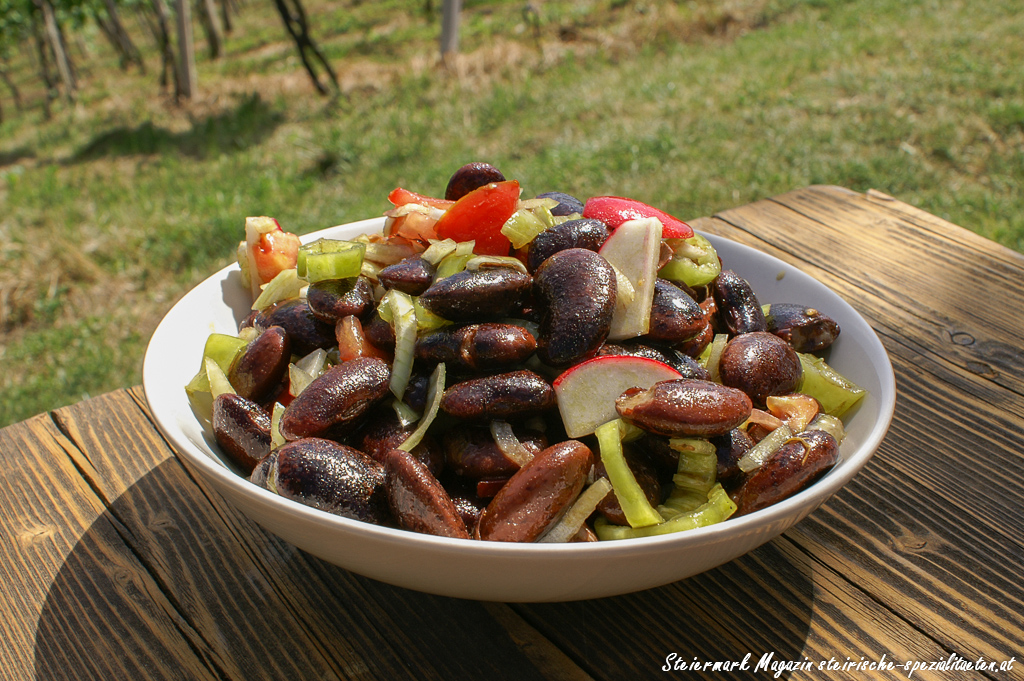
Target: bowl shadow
<point>170,582</point>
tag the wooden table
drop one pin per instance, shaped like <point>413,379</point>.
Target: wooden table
<point>118,564</point>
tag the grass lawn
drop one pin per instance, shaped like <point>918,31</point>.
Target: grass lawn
<point>118,204</point>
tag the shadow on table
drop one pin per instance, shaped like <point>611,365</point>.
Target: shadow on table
<point>171,583</point>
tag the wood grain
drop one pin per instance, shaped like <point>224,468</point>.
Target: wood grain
<point>119,563</point>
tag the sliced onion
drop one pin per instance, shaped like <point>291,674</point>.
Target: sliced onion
<point>403,316</point>
<point>509,444</point>
<point>572,520</point>
<point>298,380</point>
<point>276,438</point>
<point>760,417</point>
<point>406,414</point>
<point>437,250</point>
<point>760,452</point>
<point>219,383</point>
<point>480,261</point>
<point>715,356</point>
<point>435,390</point>
<point>832,425</point>
<point>284,286</point>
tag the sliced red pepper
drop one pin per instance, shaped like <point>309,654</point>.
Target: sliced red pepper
<point>614,210</point>
<point>479,216</point>
<point>400,197</point>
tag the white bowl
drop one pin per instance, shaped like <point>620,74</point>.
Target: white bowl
<point>496,571</point>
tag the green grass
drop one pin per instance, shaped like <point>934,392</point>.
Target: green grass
<point>118,205</point>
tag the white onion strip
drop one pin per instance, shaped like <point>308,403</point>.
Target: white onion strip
<point>572,520</point>
<point>509,444</point>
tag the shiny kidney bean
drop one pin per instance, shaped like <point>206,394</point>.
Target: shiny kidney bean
<point>675,316</point>
<point>806,329</point>
<point>537,494</point>
<point>417,500</point>
<point>696,345</point>
<point>760,364</point>
<point>738,308</point>
<point>582,233</point>
<point>336,399</point>
<point>477,347</point>
<point>305,332</point>
<point>685,407</point>
<point>242,430</point>
<point>567,203</point>
<point>576,291</point>
<point>262,365</point>
<point>414,275</point>
<point>792,468</point>
<point>471,452</point>
<point>381,431</point>
<point>730,448</point>
<point>502,396</point>
<point>474,295</point>
<point>331,300</point>
<point>469,177</point>
<point>332,477</point>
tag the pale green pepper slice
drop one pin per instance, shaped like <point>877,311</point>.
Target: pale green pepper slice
<point>694,261</point>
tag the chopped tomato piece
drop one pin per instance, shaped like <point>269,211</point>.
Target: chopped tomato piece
<point>479,216</point>
<point>400,197</point>
<point>273,253</point>
<point>352,342</point>
<point>614,210</point>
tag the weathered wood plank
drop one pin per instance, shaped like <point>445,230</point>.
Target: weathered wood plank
<point>954,452</point>
<point>233,588</point>
<point>58,541</point>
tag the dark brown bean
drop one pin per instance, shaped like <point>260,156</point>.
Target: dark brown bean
<point>337,398</point>
<point>730,448</point>
<point>414,275</point>
<point>379,332</point>
<point>469,177</point>
<point>417,500</point>
<point>567,203</point>
<point>242,430</point>
<point>474,295</point>
<point>472,452</point>
<point>381,431</point>
<point>582,233</point>
<point>502,396</point>
<point>806,329</point>
<point>476,347</point>
<point>331,300</point>
<point>696,345</point>
<point>675,316</point>
<point>685,407</point>
<point>262,365</point>
<point>469,506</point>
<point>738,308</point>
<point>305,332</point>
<point>332,477</point>
<point>760,364</point>
<point>792,468</point>
<point>576,291</point>
<point>537,494</point>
